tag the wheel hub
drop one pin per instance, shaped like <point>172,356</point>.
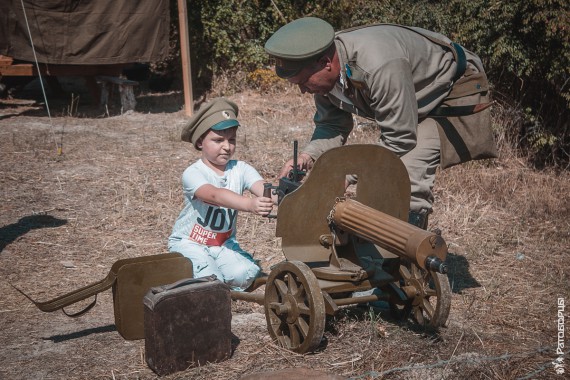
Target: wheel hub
<point>420,292</point>
<point>292,309</point>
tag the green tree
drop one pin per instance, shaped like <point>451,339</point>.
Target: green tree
<point>524,45</point>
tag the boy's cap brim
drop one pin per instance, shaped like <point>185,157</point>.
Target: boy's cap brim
<point>218,114</point>
<point>225,125</point>
<point>299,43</point>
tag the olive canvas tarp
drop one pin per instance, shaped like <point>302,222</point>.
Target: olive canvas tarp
<point>75,32</point>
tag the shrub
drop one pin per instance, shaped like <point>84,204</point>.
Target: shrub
<point>524,44</point>
<point>265,80</point>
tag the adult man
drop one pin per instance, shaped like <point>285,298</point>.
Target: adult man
<point>424,91</point>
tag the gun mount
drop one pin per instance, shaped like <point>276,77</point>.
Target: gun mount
<point>335,246</point>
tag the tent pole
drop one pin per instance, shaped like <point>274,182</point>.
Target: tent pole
<point>185,55</point>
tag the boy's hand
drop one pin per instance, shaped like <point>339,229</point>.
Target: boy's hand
<point>261,206</point>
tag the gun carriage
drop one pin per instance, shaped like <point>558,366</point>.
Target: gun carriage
<point>335,246</point>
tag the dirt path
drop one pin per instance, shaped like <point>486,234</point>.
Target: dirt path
<point>115,193</point>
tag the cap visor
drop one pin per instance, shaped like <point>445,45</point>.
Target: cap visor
<point>225,125</point>
<point>287,73</point>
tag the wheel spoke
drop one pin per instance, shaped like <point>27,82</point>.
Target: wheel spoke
<point>292,283</point>
<point>281,287</point>
<point>428,308</point>
<point>405,272</point>
<point>304,309</point>
<point>303,326</point>
<point>300,294</point>
<point>284,341</point>
<point>418,314</point>
<point>294,335</point>
<point>430,292</point>
<point>278,308</point>
<point>419,274</point>
<point>274,319</point>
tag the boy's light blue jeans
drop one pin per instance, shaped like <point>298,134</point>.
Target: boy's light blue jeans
<point>229,262</point>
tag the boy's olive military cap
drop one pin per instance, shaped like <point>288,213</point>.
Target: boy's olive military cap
<point>299,43</point>
<point>218,114</point>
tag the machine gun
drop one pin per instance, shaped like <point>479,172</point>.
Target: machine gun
<point>293,180</point>
<point>286,184</point>
<point>335,246</point>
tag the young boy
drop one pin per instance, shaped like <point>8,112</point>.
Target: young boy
<point>205,230</point>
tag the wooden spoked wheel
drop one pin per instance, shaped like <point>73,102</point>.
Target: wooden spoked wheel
<point>431,301</point>
<point>294,307</point>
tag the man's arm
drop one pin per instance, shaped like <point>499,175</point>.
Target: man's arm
<point>332,127</point>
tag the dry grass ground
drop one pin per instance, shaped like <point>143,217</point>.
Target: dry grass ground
<point>115,193</point>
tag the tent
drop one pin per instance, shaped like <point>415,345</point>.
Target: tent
<point>75,32</point>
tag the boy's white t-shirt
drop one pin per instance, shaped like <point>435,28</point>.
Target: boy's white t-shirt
<point>204,223</point>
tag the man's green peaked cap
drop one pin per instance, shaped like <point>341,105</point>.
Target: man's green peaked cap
<point>298,43</point>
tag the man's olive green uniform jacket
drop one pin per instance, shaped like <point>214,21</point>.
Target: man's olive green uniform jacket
<point>398,76</point>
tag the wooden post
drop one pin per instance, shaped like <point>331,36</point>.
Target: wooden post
<point>185,55</point>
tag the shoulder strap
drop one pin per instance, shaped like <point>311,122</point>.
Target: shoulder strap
<point>431,38</point>
<point>94,288</point>
<point>456,49</point>
<point>75,296</point>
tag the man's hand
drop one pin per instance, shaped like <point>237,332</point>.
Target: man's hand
<point>304,162</point>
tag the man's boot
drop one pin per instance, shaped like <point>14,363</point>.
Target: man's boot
<point>419,218</point>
